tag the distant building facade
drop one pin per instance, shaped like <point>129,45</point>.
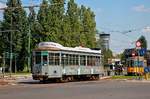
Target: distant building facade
<point>105,40</point>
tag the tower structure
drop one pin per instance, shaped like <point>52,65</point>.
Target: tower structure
<point>105,40</point>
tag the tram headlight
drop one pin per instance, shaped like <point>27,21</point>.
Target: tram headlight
<point>46,73</point>
<point>44,64</point>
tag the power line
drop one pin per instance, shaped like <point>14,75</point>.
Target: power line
<point>31,6</point>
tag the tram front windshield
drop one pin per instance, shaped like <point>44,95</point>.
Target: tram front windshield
<point>38,58</point>
<point>41,58</point>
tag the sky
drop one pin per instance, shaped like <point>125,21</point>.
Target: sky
<point>118,17</point>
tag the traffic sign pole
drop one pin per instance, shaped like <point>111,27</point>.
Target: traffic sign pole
<point>138,46</point>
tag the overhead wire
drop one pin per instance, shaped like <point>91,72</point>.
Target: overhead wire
<point>125,33</point>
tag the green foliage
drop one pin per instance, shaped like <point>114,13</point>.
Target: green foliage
<point>42,17</point>
<point>56,13</point>
<point>107,54</point>
<point>122,77</point>
<point>72,27</point>
<point>15,20</point>
<point>143,41</point>
<point>73,23</point>
<point>123,58</point>
<point>88,25</point>
<point>35,28</point>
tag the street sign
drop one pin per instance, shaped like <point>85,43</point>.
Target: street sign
<point>138,44</point>
<point>44,53</point>
<point>142,51</point>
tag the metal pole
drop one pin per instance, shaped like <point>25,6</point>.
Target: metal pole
<point>15,64</point>
<point>29,38</point>
<point>10,68</point>
<point>3,70</point>
<point>29,49</point>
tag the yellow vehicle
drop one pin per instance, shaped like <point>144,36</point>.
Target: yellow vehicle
<point>135,65</point>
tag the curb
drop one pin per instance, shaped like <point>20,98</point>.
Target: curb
<point>143,81</point>
<point>105,77</point>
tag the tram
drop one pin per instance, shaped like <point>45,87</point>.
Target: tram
<point>54,61</point>
<point>135,61</point>
<point>135,65</point>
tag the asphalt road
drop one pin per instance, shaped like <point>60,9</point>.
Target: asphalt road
<point>103,89</point>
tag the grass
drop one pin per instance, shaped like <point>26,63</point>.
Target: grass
<point>21,73</point>
<point>123,77</point>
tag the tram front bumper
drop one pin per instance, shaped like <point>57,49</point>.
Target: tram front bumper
<point>39,77</point>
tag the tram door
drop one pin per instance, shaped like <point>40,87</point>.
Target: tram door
<point>130,66</point>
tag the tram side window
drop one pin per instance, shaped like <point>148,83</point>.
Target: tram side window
<point>82,60</point>
<point>71,61</point>
<point>74,60</point>
<point>65,59</point>
<point>37,57</point>
<point>98,62</point>
<point>54,58</point>
<point>89,61</point>
<point>93,61</point>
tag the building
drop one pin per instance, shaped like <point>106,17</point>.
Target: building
<point>97,37</point>
<point>105,40</point>
<point>102,40</point>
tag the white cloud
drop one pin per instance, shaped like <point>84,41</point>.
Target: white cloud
<point>146,29</point>
<point>141,8</point>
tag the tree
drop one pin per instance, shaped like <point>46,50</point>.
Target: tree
<point>1,42</point>
<point>88,26</point>
<point>35,28</point>
<point>15,20</point>
<point>83,31</point>
<point>66,32</point>
<point>107,54</point>
<point>56,15</point>
<point>43,19</point>
<point>143,42</point>
<point>123,58</point>
<point>74,23</point>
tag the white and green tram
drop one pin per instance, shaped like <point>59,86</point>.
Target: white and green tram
<point>54,61</point>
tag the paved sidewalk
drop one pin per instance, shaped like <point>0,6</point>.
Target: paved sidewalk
<point>105,77</point>
<point>13,79</point>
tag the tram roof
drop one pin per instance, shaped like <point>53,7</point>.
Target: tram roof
<point>57,46</point>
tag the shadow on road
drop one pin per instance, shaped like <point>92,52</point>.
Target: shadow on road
<point>37,82</point>
<point>50,81</point>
